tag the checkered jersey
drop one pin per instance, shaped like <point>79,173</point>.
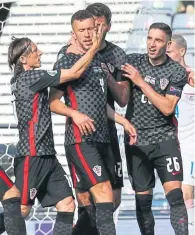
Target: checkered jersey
<point>114,57</point>
<point>33,113</point>
<point>168,78</point>
<point>88,95</point>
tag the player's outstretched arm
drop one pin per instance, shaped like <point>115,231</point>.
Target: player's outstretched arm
<point>81,65</point>
<point>166,104</point>
<point>119,90</point>
<point>128,127</point>
<point>84,123</point>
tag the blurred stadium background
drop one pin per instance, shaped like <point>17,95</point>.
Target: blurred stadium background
<point>47,23</point>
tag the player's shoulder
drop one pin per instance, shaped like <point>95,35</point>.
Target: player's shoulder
<point>177,69</point>
<point>137,58</point>
<point>62,52</point>
<point>114,47</point>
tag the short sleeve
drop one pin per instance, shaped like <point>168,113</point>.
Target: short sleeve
<point>133,59</point>
<point>45,79</point>
<point>61,52</point>
<point>177,82</point>
<point>65,62</point>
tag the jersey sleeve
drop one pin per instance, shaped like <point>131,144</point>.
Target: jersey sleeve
<point>133,59</point>
<point>65,62</point>
<point>177,82</point>
<point>45,79</point>
<point>61,52</point>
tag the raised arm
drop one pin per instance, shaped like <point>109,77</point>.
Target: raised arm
<point>119,90</point>
<point>166,104</point>
<point>81,65</point>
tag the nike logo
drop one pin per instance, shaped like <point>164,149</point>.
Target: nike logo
<point>176,173</point>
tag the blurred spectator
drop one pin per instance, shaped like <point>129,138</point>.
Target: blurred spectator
<point>186,7</point>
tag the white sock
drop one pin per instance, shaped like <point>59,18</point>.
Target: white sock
<point>190,209</point>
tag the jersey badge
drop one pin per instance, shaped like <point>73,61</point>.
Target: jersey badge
<point>33,193</point>
<point>97,69</point>
<point>111,67</point>
<point>105,68</point>
<point>98,170</point>
<point>150,79</point>
<point>163,83</point>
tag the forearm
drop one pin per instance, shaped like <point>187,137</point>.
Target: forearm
<point>78,68</point>
<point>159,101</point>
<point>112,115</point>
<point>119,92</point>
<point>82,64</point>
<point>58,107</point>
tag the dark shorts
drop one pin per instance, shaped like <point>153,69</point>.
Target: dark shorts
<point>118,164</point>
<point>90,164</point>
<point>5,183</point>
<point>42,177</point>
<point>142,160</point>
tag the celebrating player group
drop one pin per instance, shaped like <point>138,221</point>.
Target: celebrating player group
<point>91,73</point>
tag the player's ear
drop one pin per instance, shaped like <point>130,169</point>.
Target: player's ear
<point>168,44</point>
<point>23,59</point>
<point>109,27</point>
<point>73,35</point>
<point>182,52</point>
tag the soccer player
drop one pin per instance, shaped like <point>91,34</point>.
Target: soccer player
<point>11,220</point>
<point>91,163</point>
<point>156,84</point>
<point>37,170</point>
<point>186,120</point>
<point>113,56</point>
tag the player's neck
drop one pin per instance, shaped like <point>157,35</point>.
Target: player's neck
<point>158,61</point>
<point>27,67</point>
<point>182,63</point>
<point>103,45</point>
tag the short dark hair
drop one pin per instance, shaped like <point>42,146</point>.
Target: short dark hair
<point>180,41</point>
<point>81,15</point>
<point>17,48</point>
<point>162,26</point>
<point>100,9</point>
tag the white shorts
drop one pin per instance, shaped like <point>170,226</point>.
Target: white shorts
<point>188,160</point>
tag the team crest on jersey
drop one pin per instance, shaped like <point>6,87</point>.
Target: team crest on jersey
<point>111,67</point>
<point>105,68</point>
<point>98,170</point>
<point>33,193</point>
<point>163,83</point>
<point>52,72</point>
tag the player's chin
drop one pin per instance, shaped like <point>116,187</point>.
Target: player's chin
<point>154,56</point>
<point>87,46</point>
<point>38,65</point>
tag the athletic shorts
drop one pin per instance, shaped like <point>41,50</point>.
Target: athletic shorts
<point>5,183</point>
<point>42,177</point>
<point>118,164</point>
<point>90,164</point>
<point>188,158</point>
<point>142,160</point>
